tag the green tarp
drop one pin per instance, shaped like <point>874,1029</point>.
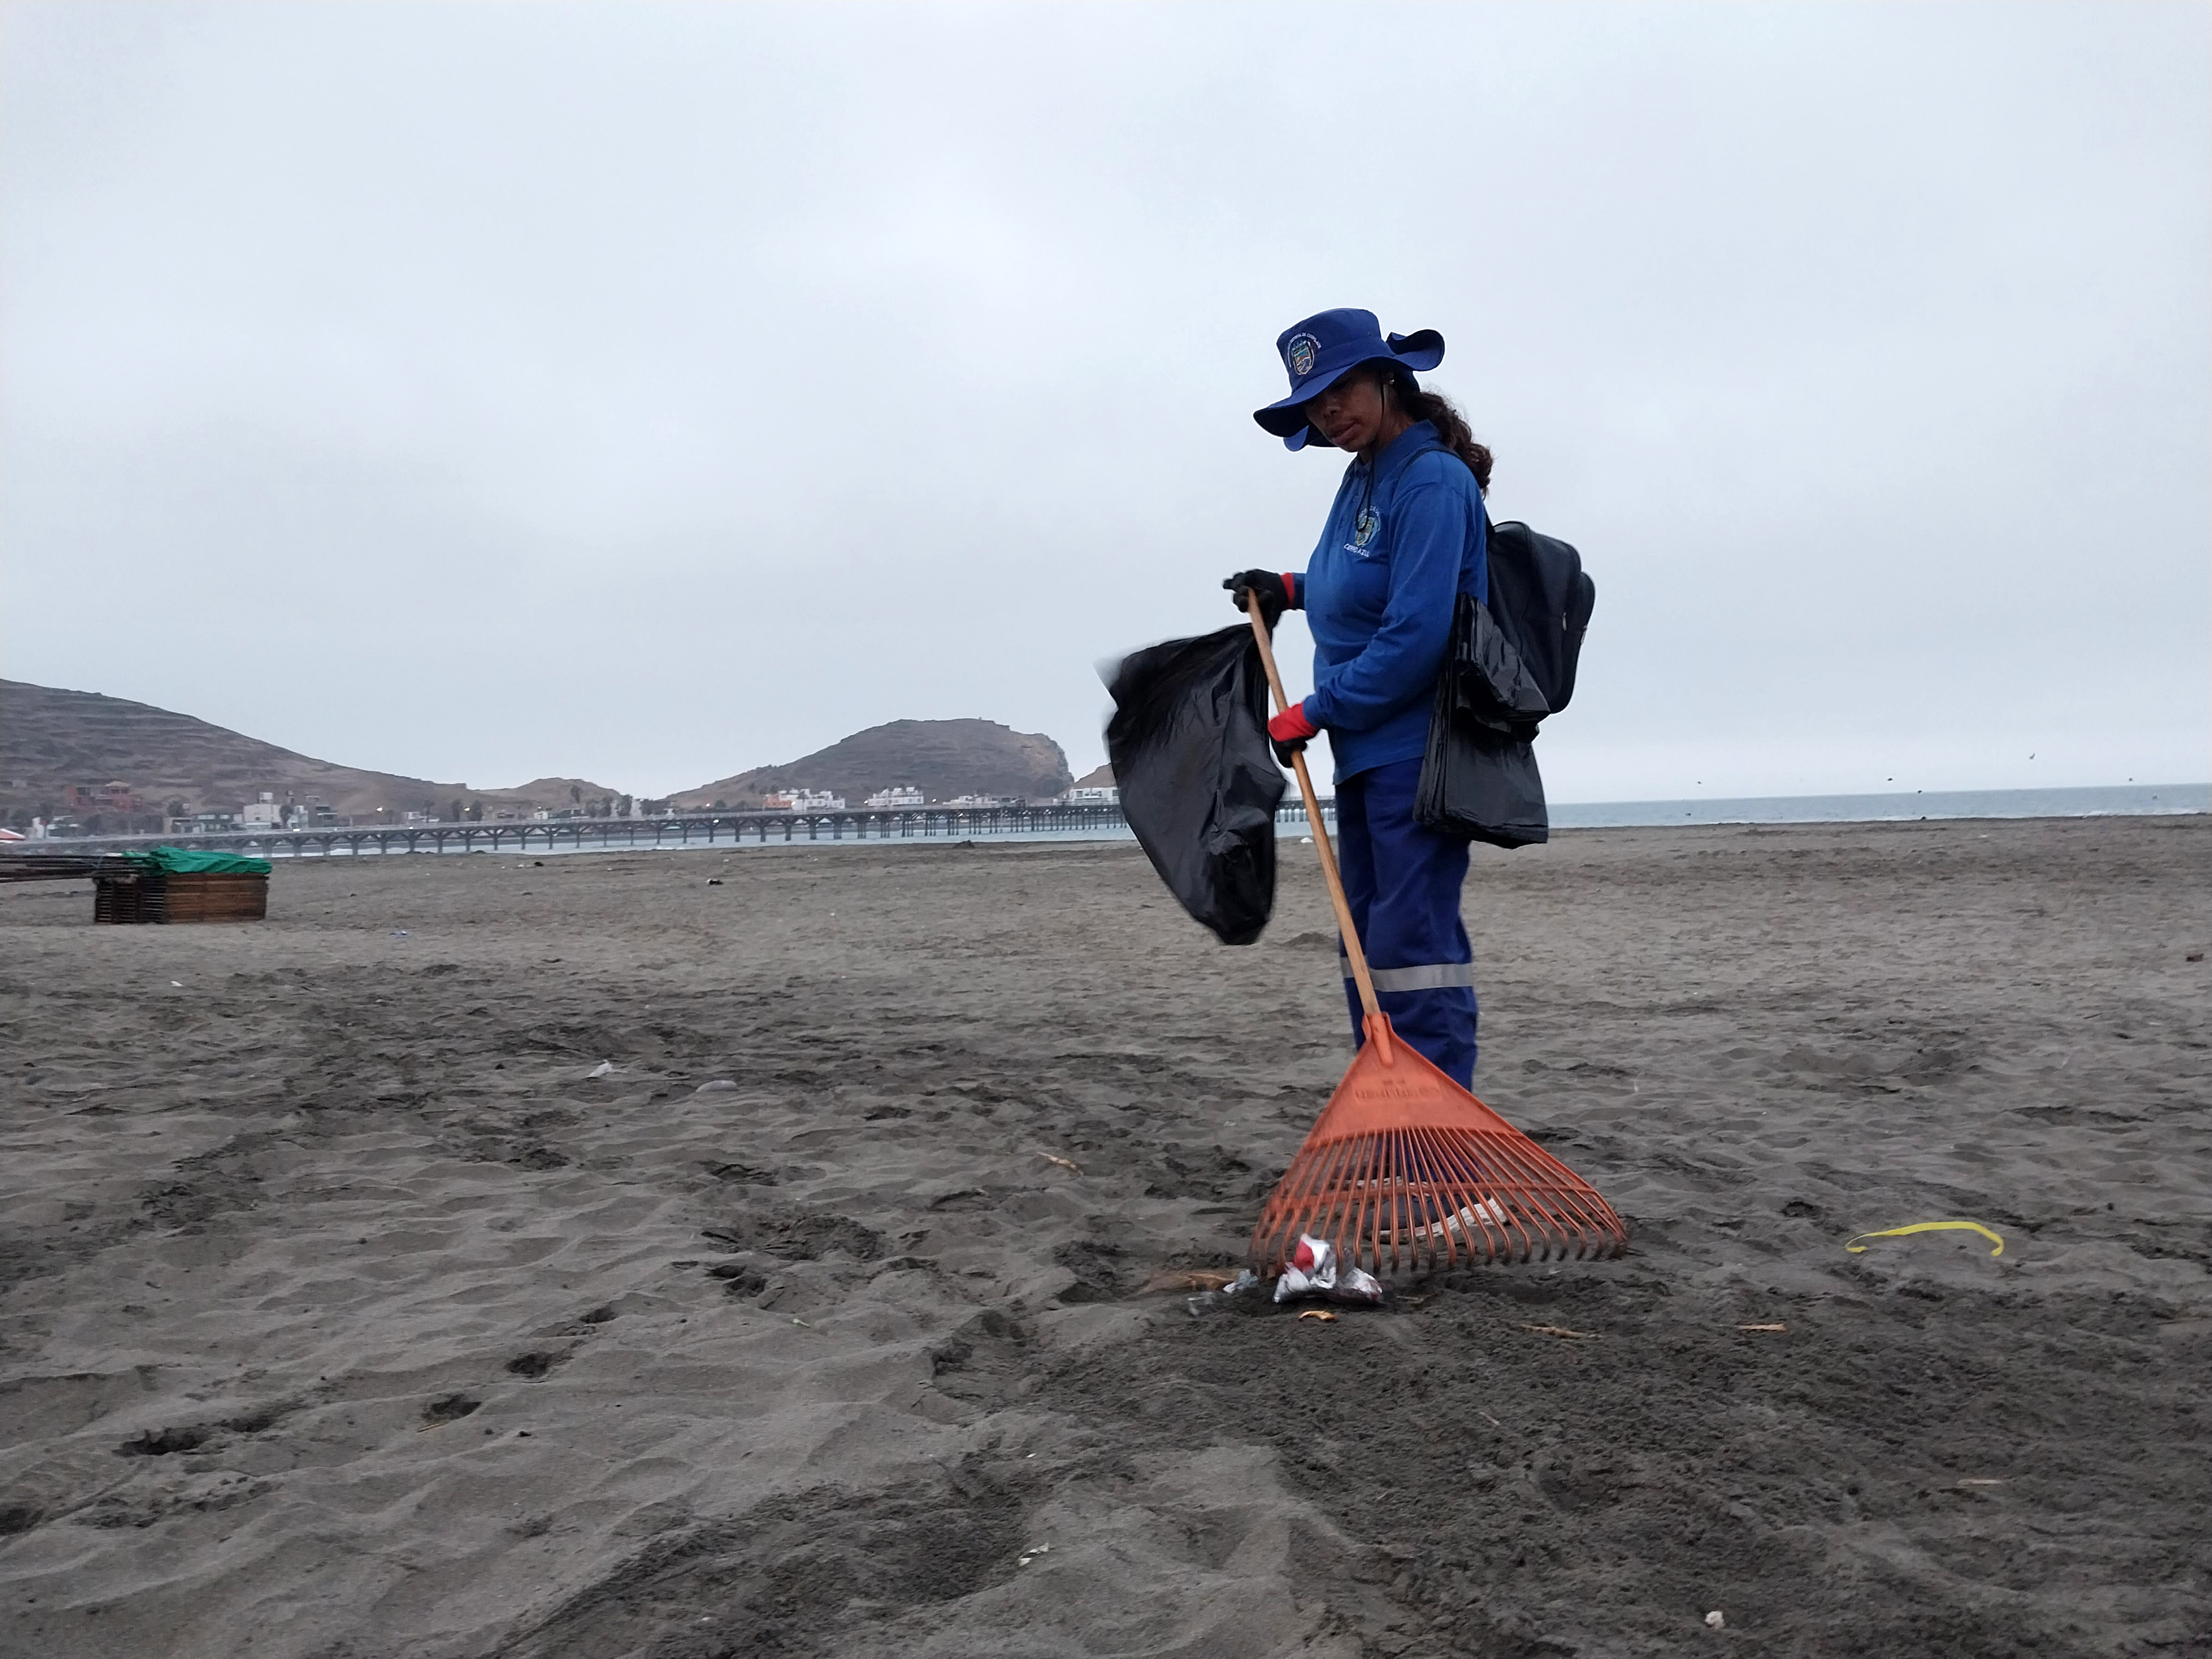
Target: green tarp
<point>176,861</point>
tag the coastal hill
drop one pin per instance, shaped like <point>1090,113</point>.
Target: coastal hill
<point>941,758</point>
<point>50,738</point>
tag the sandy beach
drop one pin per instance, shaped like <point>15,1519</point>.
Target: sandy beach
<point>352,1307</point>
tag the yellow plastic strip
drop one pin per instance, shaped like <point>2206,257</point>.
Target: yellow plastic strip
<point>1857,1249</point>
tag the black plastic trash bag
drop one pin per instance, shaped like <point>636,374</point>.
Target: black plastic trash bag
<point>1478,776</point>
<point>1200,786</point>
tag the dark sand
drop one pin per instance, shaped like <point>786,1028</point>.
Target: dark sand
<point>346,1314</point>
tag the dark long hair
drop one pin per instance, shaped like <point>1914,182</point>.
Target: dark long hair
<point>1451,426</point>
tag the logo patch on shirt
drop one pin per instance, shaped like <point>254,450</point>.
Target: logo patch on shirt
<point>1363,530</point>
<point>1300,354</point>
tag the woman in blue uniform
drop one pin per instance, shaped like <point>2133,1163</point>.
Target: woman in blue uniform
<point>1405,536</point>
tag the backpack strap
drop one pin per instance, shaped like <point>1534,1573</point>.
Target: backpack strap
<point>1439,448</point>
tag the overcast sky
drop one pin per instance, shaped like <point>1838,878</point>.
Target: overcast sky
<point>647,393</point>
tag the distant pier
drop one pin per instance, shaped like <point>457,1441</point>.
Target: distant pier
<point>669,829</point>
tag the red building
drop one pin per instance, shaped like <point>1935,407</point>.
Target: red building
<point>101,798</point>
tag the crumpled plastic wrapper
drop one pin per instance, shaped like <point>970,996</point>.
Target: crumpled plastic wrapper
<point>1210,1301</point>
<point>1313,1270</point>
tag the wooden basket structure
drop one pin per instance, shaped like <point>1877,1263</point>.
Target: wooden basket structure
<point>154,896</point>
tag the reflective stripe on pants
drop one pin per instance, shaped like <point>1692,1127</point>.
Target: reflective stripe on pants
<point>1429,977</point>
<point>1403,883</point>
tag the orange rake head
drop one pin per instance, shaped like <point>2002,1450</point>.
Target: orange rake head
<point>1405,1169</point>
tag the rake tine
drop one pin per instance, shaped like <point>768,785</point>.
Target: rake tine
<point>1355,1160</point>
<point>1445,1198</point>
<point>1474,1200</point>
<point>1527,1194</point>
<point>1407,1180</point>
<point>1361,1196</point>
<point>1458,1208</point>
<point>1388,1195</point>
<point>1570,1196</point>
<point>1428,1154</point>
<point>1366,1156</point>
<point>1334,1215</point>
<point>1296,1197</point>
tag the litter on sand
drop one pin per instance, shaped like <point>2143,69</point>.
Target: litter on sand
<point>1556,1330</point>
<point>1315,1270</point>
<point>1717,1619</point>
<point>1191,1278</point>
<point>1035,1550</point>
<point>1981,1483</point>
<point>1216,1301</point>
<point>1762,1327</point>
<point>604,1068</point>
<point>1321,1314</point>
<point>1856,1247</point>
<point>1067,1163</point>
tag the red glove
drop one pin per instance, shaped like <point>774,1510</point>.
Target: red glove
<point>1289,731</point>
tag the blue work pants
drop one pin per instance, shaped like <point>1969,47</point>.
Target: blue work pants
<point>1403,884</point>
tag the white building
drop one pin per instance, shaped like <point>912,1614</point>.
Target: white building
<point>981,800</point>
<point>1094,795</point>
<point>899,794</point>
<point>803,801</point>
<point>262,812</point>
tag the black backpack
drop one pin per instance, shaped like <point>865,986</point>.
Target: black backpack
<point>1509,664</point>
<point>1541,598</point>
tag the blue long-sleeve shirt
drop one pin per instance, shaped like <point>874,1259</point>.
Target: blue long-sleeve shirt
<point>1405,538</point>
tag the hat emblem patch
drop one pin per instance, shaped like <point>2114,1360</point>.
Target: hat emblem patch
<point>1300,354</point>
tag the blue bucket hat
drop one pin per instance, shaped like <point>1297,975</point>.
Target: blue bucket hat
<point>1326,347</point>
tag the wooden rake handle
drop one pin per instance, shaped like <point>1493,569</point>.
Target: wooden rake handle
<point>1352,945</point>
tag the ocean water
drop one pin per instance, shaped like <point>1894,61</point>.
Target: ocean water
<point>2132,800</point>
<point>2124,800</point>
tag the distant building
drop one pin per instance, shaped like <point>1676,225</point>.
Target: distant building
<point>100,798</point>
<point>979,800</point>
<point>1110,795</point>
<point>803,801</point>
<point>262,812</point>
<point>210,822</point>
<point>899,794</point>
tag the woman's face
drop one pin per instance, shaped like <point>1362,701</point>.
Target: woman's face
<point>1350,413</point>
